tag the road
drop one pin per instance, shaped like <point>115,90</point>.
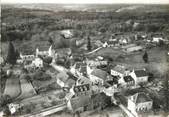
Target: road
<point>47,111</point>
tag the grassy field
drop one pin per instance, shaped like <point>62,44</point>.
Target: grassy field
<point>26,89</point>
<point>157,59</point>
<point>12,87</point>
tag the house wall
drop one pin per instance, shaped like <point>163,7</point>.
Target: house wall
<point>142,79</point>
<point>115,73</point>
<point>131,105</point>
<point>61,83</point>
<point>96,79</point>
<point>139,79</point>
<point>144,106</point>
<point>131,49</point>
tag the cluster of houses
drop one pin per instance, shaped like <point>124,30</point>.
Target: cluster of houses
<point>36,61</point>
<point>89,79</point>
<point>85,81</point>
<point>127,43</point>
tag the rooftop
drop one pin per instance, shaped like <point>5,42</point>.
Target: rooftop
<point>100,73</point>
<point>128,79</point>
<point>140,98</point>
<point>79,65</point>
<point>82,88</point>
<point>120,69</point>
<point>140,73</point>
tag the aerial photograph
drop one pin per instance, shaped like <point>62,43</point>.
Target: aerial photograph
<point>84,58</point>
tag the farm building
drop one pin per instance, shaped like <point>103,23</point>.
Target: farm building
<point>133,49</point>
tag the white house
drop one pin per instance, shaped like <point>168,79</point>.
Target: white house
<point>64,80</point>
<point>129,81</point>
<point>1,60</point>
<point>38,62</point>
<point>79,69</point>
<point>119,70</point>
<point>83,80</point>
<point>98,76</point>
<point>139,102</point>
<point>133,49</point>
<point>27,57</point>
<point>50,52</point>
<point>67,33</point>
<point>139,76</point>
<point>157,39</point>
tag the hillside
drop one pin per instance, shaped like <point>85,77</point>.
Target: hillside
<point>30,26</point>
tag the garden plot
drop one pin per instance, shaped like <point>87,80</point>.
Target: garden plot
<point>12,87</point>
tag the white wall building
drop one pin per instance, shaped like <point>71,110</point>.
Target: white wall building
<point>50,52</point>
<point>139,76</point>
<point>139,102</point>
<point>38,62</point>
<point>119,70</point>
<point>27,57</point>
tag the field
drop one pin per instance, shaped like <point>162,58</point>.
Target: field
<point>12,87</point>
<point>26,89</point>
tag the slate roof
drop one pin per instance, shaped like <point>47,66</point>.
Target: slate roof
<point>128,79</point>
<point>141,98</point>
<point>43,48</point>
<point>140,73</point>
<point>84,80</point>
<point>80,101</point>
<point>68,80</point>
<point>100,73</point>
<point>79,64</point>
<point>81,88</point>
<point>83,69</point>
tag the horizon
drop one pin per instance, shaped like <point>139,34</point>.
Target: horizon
<point>84,2</point>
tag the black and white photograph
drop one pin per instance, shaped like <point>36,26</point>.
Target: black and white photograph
<point>84,58</point>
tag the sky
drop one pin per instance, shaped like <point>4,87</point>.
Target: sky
<point>89,1</point>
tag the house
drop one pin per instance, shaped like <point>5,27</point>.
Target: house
<point>98,76</point>
<point>119,70</point>
<point>110,42</point>
<point>157,39</point>
<point>79,90</point>
<point>79,104</point>
<point>83,80</point>
<point>139,102</point>
<point>129,81</point>
<point>139,76</point>
<point>19,61</point>
<point>123,41</point>
<point>1,60</point>
<point>133,49</point>
<point>63,80</point>
<point>93,64</point>
<point>79,69</point>
<point>67,33</point>
<point>98,43</point>
<point>88,102</point>
<point>26,57</point>
<point>38,63</point>
<point>45,51</point>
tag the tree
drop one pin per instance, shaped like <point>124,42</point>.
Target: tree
<point>47,60</point>
<point>166,92</point>
<point>145,57</point>
<point>5,99</point>
<point>89,43</point>
<point>50,41</point>
<point>11,57</point>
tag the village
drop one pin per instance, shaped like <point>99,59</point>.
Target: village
<point>52,80</point>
